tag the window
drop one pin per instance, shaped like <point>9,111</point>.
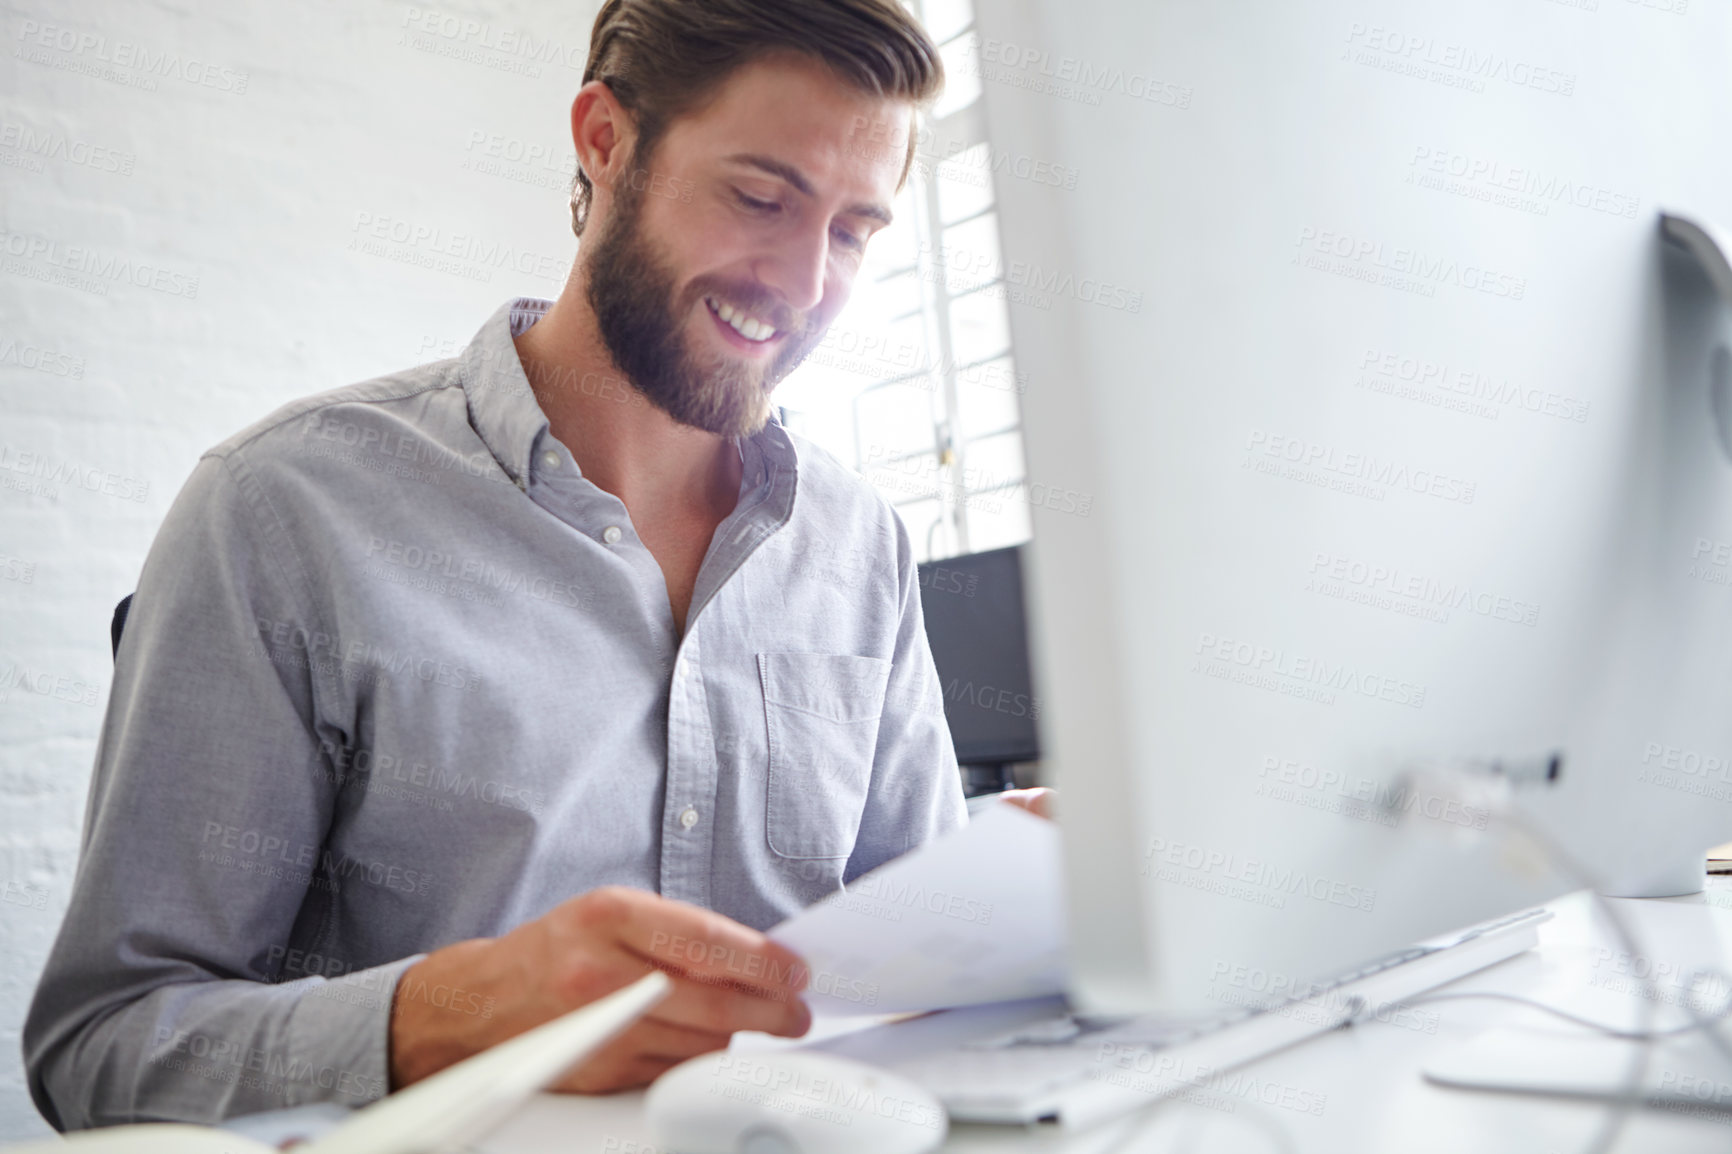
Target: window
<point>915,386</point>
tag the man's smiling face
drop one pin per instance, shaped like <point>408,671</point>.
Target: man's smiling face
<point>721,260</point>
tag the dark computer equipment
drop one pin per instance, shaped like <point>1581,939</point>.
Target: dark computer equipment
<point>978,630</point>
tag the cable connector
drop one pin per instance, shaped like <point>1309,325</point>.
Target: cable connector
<point>1461,798</point>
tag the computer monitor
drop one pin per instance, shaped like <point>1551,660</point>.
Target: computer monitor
<point>1355,323</point>
<point>977,626</point>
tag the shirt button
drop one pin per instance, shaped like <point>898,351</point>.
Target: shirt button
<point>689,818</point>
<point>611,534</point>
<point>550,459</point>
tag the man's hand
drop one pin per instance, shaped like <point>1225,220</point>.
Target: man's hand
<point>1038,801</point>
<point>459,1000</point>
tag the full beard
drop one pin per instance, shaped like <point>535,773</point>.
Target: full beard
<point>631,291</point>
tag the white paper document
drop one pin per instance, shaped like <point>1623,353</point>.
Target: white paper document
<point>976,916</point>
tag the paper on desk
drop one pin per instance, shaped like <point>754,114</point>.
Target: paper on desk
<point>976,916</point>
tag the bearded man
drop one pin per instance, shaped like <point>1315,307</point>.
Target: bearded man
<point>457,698</point>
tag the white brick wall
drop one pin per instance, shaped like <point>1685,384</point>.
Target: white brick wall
<point>187,195</point>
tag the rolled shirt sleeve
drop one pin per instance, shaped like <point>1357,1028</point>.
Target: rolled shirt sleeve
<point>208,812</point>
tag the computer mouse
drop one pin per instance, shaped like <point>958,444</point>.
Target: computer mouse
<point>790,1102</point>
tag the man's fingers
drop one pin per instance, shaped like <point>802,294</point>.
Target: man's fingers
<point>727,977</point>
<point>715,949</point>
<point>701,1005</point>
<point>657,1038</point>
<point>639,1055</point>
<point>1038,801</point>
<point>692,941</point>
<point>625,1073</point>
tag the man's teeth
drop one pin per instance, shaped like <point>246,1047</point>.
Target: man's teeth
<point>749,327</point>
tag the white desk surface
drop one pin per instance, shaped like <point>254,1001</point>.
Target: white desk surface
<point>1367,1079</point>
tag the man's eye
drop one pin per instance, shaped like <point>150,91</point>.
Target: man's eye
<point>849,241</point>
<point>755,204</point>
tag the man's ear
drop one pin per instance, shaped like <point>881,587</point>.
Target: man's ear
<point>603,133</point>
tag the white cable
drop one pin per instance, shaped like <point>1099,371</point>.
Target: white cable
<point>1701,1022</point>
<point>1621,1104</point>
<point>1491,783</point>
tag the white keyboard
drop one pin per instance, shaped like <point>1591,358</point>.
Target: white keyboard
<point>1034,1061</point>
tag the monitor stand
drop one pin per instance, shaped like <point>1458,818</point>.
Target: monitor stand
<point>987,777</point>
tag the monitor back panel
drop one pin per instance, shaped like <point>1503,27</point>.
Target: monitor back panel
<point>1350,323</point>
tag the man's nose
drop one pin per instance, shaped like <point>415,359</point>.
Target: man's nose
<point>796,268</point>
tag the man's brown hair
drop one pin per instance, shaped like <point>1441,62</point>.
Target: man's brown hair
<point>662,57</point>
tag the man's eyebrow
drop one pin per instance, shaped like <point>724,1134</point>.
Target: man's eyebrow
<point>798,180</point>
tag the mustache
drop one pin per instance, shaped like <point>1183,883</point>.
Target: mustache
<point>753,299</point>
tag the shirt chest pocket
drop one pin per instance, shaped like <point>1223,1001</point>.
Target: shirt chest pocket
<point>821,711</point>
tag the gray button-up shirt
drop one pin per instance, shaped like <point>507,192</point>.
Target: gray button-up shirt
<point>398,675</point>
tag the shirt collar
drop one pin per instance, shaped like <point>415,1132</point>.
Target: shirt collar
<point>502,406</point>
<point>505,413</point>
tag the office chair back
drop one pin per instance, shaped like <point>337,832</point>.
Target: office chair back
<point>116,626</point>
